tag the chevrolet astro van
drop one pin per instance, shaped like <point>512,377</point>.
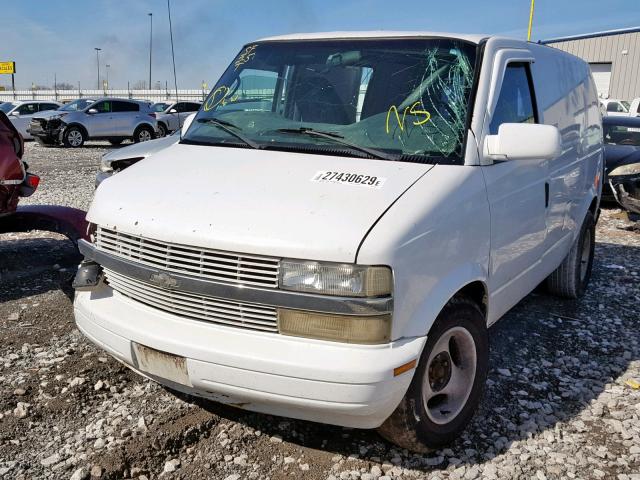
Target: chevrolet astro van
<point>341,223</point>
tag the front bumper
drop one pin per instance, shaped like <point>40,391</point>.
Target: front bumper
<point>626,189</point>
<point>48,131</point>
<point>328,382</point>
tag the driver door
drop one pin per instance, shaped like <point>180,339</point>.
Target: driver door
<point>100,124</point>
<point>517,190</point>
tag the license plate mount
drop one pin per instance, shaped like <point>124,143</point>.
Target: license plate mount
<point>161,364</point>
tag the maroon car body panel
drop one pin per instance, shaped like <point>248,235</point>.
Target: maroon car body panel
<point>12,172</point>
<point>14,183</point>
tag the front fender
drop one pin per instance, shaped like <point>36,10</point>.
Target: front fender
<point>70,222</point>
<point>426,312</point>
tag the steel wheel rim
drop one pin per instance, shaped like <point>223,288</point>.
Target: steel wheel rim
<point>449,375</point>
<point>144,136</point>
<point>75,138</point>
<point>585,256</point>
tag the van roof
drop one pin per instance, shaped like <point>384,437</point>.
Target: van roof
<point>474,38</point>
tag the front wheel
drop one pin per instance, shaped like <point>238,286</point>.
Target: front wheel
<point>162,130</point>
<point>571,278</point>
<point>448,383</point>
<point>143,134</point>
<point>74,137</point>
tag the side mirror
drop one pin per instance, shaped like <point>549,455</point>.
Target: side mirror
<point>187,123</point>
<point>523,141</point>
<point>15,113</point>
<point>92,111</point>
<point>173,110</point>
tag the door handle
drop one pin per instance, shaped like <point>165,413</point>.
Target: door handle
<point>546,194</point>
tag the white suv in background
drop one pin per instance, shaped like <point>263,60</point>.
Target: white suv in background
<point>171,116</point>
<point>21,112</point>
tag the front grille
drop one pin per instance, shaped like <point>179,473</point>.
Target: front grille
<point>194,306</point>
<point>207,264</point>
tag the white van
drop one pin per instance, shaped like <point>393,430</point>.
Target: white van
<point>349,214</point>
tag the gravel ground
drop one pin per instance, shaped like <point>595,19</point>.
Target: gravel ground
<point>557,403</point>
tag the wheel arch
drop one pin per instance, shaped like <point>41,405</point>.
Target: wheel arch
<point>468,281</point>
<point>79,126</point>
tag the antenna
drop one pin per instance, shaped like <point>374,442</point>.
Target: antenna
<point>173,58</point>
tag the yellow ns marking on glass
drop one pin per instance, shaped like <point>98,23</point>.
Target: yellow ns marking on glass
<point>217,97</point>
<point>412,110</point>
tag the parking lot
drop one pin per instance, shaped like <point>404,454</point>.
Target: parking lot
<point>557,404</point>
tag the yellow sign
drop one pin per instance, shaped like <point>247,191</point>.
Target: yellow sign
<point>7,67</point>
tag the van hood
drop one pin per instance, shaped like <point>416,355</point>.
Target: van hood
<point>249,201</point>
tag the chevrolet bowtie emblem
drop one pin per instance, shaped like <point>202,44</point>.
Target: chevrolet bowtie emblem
<point>163,280</point>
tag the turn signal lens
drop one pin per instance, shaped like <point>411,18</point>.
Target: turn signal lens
<point>335,279</point>
<point>337,328</point>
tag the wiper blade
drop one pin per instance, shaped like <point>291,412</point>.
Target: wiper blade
<point>231,129</point>
<point>336,137</point>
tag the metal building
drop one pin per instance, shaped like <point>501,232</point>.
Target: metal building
<point>614,57</point>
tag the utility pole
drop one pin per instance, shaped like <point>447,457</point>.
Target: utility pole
<point>530,20</point>
<point>150,46</point>
<point>98,63</point>
<point>55,85</point>
<point>173,56</point>
<point>107,65</point>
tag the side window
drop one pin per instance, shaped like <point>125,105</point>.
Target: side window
<point>192,107</point>
<point>516,102</point>
<point>614,107</point>
<point>180,107</point>
<point>103,107</point>
<point>48,106</point>
<point>125,107</point>
<point>28,109</point>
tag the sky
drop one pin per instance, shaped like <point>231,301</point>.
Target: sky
<point>48,38</point>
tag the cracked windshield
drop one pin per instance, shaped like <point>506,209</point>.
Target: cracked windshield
<point>388,99</point>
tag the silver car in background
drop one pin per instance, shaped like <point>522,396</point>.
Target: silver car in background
<point>112,119</point>
<point>171,115</point>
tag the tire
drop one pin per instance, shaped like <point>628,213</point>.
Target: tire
<point>143,134</point>
<point>115,142</point>
<point>162,130</point>
<point>571,278</point>
<point>73,137</point>
<point>420,423</point>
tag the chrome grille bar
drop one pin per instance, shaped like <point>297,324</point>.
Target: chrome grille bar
<point>193,306</point>
<point>226,267</point>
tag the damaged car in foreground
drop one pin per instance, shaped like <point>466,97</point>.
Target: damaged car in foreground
<point>334,245</point>
<point>622,160</point>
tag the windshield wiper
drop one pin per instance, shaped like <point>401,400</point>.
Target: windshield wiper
<point>336,137</point>
<point>230,128</point>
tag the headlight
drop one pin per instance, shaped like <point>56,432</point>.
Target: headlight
<point>105,166</point>
<point>335,279</point>
<point>631,169</point>
<point>337,328</point>
<point>57,117</point>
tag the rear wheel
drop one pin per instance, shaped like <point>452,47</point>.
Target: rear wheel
<point>74,137</point>
<point>448,383</point>
<point>571,278</point>
<point>143,134</point>
<point>162,130</point>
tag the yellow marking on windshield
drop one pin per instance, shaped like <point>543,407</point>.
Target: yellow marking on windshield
<point>412,110</point>
<point>247,54</point>
<point>220,96</point>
